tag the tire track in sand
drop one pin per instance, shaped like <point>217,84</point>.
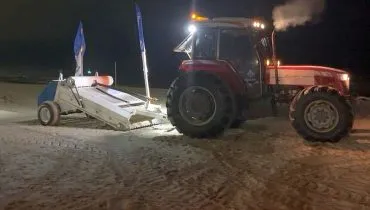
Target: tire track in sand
<point>312,184</point>
<point>282,191</point>
<point>65,153</point>
<point>198,187</point>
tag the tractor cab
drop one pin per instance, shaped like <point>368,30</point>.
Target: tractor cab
<point>242,43</point>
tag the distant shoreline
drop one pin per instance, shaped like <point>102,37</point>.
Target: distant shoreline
<point>23,81</point>
<point>15,80</point>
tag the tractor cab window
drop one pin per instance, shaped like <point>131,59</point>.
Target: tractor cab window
<point>236,47</point>
<point>205,45</point>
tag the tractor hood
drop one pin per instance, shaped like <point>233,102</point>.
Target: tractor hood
<point>305,75</point>
<point>309,68</point>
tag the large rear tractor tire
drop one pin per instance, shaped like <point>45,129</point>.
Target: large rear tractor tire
<point>49,113</point>
<point>321,114</point>
<point>200,106</point>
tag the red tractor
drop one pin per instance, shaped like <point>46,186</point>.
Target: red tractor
<point>232,66</point>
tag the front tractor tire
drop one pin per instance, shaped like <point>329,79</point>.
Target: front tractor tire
<point>200,106</point>
<point>321,114</point>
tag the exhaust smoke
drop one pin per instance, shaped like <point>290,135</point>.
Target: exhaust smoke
<point>296,13</point>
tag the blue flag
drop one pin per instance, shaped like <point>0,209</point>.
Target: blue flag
<point>140,28</point>
<point>79,50</point>
<point>79,44</point>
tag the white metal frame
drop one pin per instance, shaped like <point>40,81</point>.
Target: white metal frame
<point>110,106</point>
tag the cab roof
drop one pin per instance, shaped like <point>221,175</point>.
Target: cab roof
<point>221,22</point>
<point>230,22</point>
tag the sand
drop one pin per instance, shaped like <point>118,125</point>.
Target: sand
<point>263,165</point>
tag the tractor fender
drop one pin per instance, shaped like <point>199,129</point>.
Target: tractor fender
<point>220,69</point>
<point>205,75</point>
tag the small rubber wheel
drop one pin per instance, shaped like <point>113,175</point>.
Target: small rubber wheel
<point>320,113</point>
<point>49,113</point>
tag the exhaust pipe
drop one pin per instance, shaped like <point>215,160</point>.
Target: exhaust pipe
<point>274,59</point>
<point>277,89</point>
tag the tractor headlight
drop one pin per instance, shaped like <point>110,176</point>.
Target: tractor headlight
<point>345,77</point>
<point>192,28</point>
<point>267,62</point>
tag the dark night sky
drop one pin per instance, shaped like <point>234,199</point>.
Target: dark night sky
<point>39,34</point>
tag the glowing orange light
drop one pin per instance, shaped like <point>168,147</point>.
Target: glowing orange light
<point>196,17</point>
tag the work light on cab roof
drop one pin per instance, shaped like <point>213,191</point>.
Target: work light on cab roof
<point>258,24</point>
<point>197,20</point>
<point>196,17</point>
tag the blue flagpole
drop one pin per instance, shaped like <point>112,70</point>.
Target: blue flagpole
<point>143,50</point>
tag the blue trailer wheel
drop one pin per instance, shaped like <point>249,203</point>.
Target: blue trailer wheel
<point>49,113</point>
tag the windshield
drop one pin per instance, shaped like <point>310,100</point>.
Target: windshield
<point>205,46</point>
